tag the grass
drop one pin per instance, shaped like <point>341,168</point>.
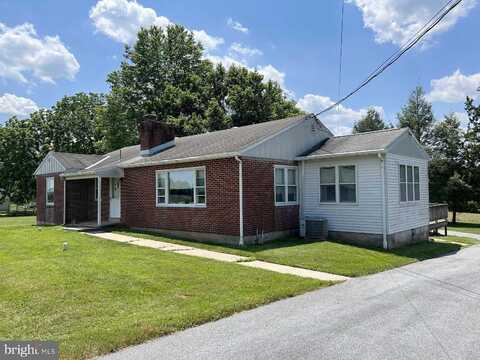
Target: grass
<point>466,222</point>
<point>457,239</point>
<point>100,296</point>
<point>324,256</point>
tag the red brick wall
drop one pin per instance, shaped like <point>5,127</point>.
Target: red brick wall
<point>260,212</point>
<point>220,216</point>
<point>50,214</point>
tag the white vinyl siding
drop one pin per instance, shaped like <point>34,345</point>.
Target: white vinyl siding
<point>291,143</point>
<point>286,185</point>
<point>363,216</point>
<point>406,215</point>
<point>181,187</point>
<point>50,191</point>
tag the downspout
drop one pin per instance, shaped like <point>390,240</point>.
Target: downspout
<point>384,202</point>
<point>240,196</point>
<point>64,200</point>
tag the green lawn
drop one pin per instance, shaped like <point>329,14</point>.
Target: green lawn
<point>466,222</point>
<point>457,239</point>
<point>99,295</point>
<point>325,256</point>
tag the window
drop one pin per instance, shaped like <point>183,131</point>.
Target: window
<point>50,190</point>
<point>328,184</point>
<point>183,187</point>
<point>285,185</point>
<point>409,183</point>
<point>347,184</point>
<point>338,184</point>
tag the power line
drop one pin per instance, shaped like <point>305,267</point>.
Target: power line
<point>439,15</point>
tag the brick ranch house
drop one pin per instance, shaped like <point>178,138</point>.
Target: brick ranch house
<point>247,184</point>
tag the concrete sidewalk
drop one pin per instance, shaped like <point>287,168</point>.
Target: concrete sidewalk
<point>461,234</point>
<point>214,255</point>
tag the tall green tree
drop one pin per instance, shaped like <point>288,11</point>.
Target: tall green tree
<point>19,156</point>
<point>165,74</point>
<point>472,146</point>
<point>459,193</point>
<point>447,158</point>
<point>417,114</point>
<point>371,121</point>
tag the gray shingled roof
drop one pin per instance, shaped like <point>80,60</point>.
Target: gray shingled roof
<point>368,141</point>
<point>73,161</point>
<point>219,142</point>
<point>215,143</point>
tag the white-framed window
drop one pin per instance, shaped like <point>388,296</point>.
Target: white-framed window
<point>286,185</point>
<point>338,184</point>
<point>409,183</point>
<point>181,187</point>
<point>50,191</point>
<point>328,185</point>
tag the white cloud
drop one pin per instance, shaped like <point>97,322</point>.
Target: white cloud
<point>24,53</point>
<point>235,25</point>
<point>270,72</point>
<point>463,117</point>
<point>454,88</point>
<point>245,51</point>
<point>395,21</point>
<point>16,105</point>
<point>209,42</point>
<point>225,60</point>
<point>122,19</point>
<point>339,120</point>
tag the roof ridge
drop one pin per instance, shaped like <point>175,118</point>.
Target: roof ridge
<point>245,126</point>
<point>370,132</point>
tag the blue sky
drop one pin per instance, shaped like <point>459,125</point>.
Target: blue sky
<point>53,48</point>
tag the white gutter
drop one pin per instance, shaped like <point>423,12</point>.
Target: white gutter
<point>349,153</point>
<point>240,195</point>
<point>384,202</point>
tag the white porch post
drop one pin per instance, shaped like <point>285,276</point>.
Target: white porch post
<point>99,201</point>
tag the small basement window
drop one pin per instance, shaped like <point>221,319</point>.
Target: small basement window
<point>286,185</point>
<point>182,187</point>
<point>409,183</point>
<point>50,191</point>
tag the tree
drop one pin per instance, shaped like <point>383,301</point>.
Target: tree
<point>472,146</point>
<point>458,192</point>
<point>371,121</point>
<point>19,157</point>
<point>164,73</point>
<point>73,124</point>
<point>417,115</point>
<point>447,157</point>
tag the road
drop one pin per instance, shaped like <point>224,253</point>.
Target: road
<point>427,310</point>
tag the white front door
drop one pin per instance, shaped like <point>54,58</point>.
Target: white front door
<point>115,198</point>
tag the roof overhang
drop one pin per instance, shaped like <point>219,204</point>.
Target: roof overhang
<point>114,172</point>
<point>344,154</point>
<point>182,160</point>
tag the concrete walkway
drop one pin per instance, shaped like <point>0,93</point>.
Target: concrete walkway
<point>214,255</point>
<point>461,234</point>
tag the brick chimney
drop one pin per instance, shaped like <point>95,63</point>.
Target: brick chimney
<point>155,136</point>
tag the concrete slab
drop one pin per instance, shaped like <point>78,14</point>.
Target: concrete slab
<point>242,260</point>
<point>294,271</point>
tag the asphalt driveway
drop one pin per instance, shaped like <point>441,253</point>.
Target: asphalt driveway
<point>427,310</point>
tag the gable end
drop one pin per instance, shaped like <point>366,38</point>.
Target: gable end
<point>49,165</point>
<point>407,145</point>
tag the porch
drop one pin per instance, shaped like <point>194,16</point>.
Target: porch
<point>91,202</point>
<point>438,217</point>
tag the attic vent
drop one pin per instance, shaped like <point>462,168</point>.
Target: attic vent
<point>316,229</point>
